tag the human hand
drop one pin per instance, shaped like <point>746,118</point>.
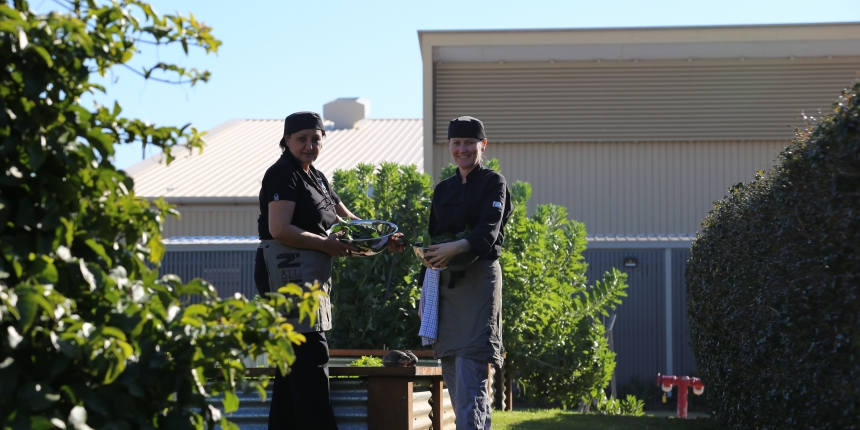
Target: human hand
<point>397,243</point>
<point>334,247</point>
<point>439,255</point>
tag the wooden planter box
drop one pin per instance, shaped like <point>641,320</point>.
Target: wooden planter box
<point>390,390</point>
<point>389,393</point>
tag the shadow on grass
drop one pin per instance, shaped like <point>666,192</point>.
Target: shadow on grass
<point>558,420</point>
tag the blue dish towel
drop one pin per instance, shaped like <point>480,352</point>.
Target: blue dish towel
<point>430,307</point>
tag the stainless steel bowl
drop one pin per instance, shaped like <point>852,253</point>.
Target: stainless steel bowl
<point>375,245</point>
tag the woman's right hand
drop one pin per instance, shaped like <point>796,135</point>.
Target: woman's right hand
<point>439,255</point>
<point>334,247</point>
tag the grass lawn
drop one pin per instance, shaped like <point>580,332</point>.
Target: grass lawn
<point>556,419</point>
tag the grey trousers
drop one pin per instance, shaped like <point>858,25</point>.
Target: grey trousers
<point>466,380</point>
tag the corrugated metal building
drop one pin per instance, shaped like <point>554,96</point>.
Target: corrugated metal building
<point>217,191</point>
<point>635,131</point>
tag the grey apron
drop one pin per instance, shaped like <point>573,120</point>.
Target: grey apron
<point>470,314</point>
<point>285,264</point>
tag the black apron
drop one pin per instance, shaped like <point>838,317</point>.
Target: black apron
<point>278,264</point>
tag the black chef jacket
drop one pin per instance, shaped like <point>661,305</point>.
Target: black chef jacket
<point>483,203</point>
<point>315,200</point>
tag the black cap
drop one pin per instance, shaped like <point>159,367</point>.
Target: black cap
<point>466,127</point>
<point>303,121</point>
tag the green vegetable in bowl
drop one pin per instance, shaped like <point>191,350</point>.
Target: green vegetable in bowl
<point>425,240</point>
<point>354,231</point>
<point>458,262</point>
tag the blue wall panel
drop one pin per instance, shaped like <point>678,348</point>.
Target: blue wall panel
<point>640,328</point>
<point>229,271</point>
<point>684,363</point>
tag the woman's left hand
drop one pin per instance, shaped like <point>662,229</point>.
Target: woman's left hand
<point>397,243</point>
<point>439,255</point>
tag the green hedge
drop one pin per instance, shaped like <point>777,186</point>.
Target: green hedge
<point>554,341</point>
<point>773,285</point>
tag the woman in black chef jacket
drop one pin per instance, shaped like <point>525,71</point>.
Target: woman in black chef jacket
<point>297,207</point>
<point>470,301</point>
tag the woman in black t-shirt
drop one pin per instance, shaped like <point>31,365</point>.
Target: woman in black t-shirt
<point>297,207</point>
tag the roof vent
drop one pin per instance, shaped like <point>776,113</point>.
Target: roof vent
<point>346,112</point>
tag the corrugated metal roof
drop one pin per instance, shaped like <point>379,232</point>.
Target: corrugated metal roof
<point>238,153</point>
<point>601,241</point>
<point>212,243</point>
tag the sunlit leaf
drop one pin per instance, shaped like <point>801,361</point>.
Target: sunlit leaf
<point>231,402</point>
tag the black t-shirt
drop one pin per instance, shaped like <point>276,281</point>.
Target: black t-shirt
<point>483,203</point>
<point>315,200</point>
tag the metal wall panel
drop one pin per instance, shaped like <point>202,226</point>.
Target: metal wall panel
<point>683,361</point>
<point>630,188</point>
<point>227,220</point>
<point>229,271</point>
<point>640,328</point>
<point>655,100</point>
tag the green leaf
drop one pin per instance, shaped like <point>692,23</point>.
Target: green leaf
<point>291,289</point>
<point>157,249</point>
<point>46,57</point>
<point>98,249</point>
<point>102,142</point>
<point>27,309</point>
<point>261,390</point>
<point>126,55</point>
<point>228,425</point>
<point>231,402</point>
<point>44,270</point>
<point>115,369</point>
<point>113,332</point>
<point>37,156</point>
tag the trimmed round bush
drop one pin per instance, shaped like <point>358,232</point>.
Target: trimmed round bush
<point>773,285</point>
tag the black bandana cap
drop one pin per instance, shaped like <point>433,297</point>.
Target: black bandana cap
<point>466,127</point>
<point>303,121</point>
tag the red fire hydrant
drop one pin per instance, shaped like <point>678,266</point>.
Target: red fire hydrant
<point>666,382</point>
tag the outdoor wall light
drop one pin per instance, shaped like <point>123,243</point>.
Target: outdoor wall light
<point>630,262</point>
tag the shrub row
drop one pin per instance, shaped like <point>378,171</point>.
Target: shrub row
<point>773,285</point>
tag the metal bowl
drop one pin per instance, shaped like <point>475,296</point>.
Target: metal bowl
<point>460,261</point>
<point>375,245</point>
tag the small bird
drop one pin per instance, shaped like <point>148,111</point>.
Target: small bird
<point>399,359</point>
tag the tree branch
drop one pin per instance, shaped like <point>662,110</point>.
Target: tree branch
<point>149,42</point>
<point>68,5</point>
<point>156,79</point>
<point>390,275</point>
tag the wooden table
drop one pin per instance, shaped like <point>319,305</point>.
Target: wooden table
<point>389,393</point>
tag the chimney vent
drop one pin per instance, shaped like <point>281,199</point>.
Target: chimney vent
<point>346,112</point>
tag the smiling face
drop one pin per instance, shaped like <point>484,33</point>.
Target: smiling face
<point>466,152</point>
<point>305,145</point>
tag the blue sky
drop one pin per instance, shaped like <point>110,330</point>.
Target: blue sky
<point>280,57</point>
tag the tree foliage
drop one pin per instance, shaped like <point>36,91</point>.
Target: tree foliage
<point>773,285</point>
<point>556,345</point>
<point>90,335</point>
<point>553,338</point>
<point>375,298</point>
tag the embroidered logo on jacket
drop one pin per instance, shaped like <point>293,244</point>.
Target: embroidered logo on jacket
<point>497,205</point>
